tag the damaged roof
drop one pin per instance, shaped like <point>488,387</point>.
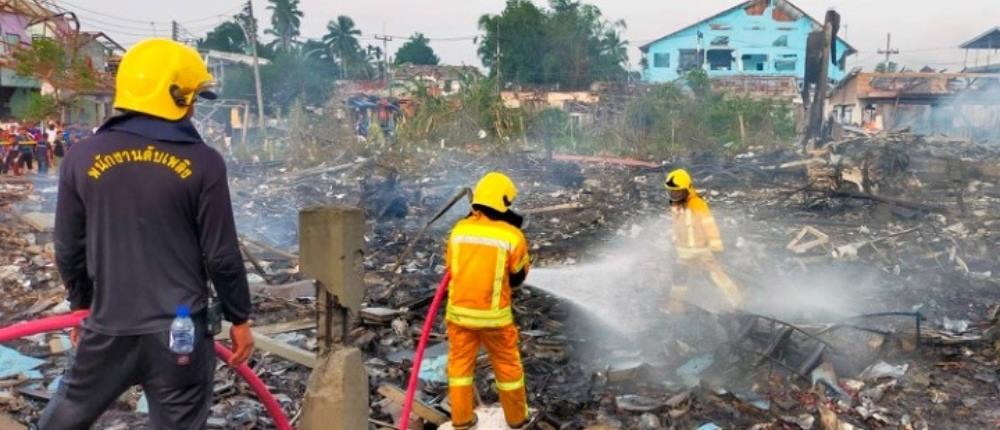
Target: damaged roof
<point>438,72</point>
<point>915,84</point>
<point>785,5</point>
<point>988,40</point>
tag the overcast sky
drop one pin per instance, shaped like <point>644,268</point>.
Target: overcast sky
<point>927,32</point>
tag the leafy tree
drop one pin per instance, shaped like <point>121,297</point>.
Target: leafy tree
<point>417,50</point>
<point>60,64</point>
<point>227,37</point>
<point>306,74</point>
<point>570,44</point>
<point>342,38</point>
<point>884,67</point>
<point>285,21</point>
<point>231,36</point>
<point>317,51</point>
<point>520,32</point>
<point>38,108</point>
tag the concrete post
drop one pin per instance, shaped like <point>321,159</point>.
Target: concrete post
<point>331,249</point>
<point>337,394</point>
<point>331,245</point>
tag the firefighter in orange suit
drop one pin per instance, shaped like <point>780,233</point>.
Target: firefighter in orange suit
<point>697,240</point>
<point>487,255</point>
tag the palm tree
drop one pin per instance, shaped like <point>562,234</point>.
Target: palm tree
<point>342,38</point>
<point>285,21</point>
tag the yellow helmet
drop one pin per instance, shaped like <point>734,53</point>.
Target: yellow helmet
<point>161,77</point>
<point>678,180</point>
<point>495,191</point>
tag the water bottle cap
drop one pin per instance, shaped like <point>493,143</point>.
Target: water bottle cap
<point>183,311</point>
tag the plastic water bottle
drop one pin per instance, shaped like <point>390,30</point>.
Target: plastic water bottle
<point>182,332</point>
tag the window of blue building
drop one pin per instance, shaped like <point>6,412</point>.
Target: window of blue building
<point>781,41</point>
<point>661,60</point>
<point>690,59</point>
<point>754,62</point>
<point>720,59</point>
<point>786,63</point>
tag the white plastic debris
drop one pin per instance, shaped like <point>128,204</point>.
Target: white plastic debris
<point>884,370</point>
<point>956,326</point>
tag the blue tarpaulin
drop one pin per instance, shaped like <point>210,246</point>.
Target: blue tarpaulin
<point>690,372</point>
<point>13,362</point>
<point>435,369</point>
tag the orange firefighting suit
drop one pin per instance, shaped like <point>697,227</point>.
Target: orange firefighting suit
<point>482,256</point>
<point>697,239</point>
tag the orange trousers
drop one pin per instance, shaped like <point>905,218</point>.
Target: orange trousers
<point>701,265</point>
<point>502,346</point>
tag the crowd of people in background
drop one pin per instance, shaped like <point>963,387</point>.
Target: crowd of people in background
<point>36,148</point>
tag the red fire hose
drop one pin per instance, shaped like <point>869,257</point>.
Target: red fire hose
<point>60,322</point>
<point>418,355</point>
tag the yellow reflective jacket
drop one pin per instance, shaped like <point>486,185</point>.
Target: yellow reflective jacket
<point>481,255</point>
<point>695,231</point>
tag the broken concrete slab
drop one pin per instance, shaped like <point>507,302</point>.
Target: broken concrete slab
<point>337,394</point>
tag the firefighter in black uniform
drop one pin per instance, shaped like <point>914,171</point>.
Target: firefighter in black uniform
<point>143,223</point>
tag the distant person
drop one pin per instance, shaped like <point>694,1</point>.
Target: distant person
<point>68,138</point>
<point>26,142</point>
<point>487,255</point>
<point>11,153</point>
<point>58,149</point>
<point>696,240</point>
<point>43,153</point>
<point>51,133</point>
<point>143,222</point>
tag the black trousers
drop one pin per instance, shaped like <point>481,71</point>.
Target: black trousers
<point>27,157</point>
<point>179,389</point>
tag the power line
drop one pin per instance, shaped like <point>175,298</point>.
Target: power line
<point>103,25</point>
<point>149,33</point>
<point>135,20</point>
<point>84,19</point>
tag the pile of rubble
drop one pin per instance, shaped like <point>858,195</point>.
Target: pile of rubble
<point>868,266</point>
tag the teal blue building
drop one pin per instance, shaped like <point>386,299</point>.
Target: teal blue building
<point>753,38</point>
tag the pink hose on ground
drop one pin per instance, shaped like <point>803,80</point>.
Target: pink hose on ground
<point>44,325</point>
<point>270,403</point>
<point>60,322</point>
<point>418,355</point>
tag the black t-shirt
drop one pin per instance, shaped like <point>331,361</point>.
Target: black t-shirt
<point>143,221</point>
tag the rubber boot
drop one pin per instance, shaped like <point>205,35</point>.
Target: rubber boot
<point>469,426</point>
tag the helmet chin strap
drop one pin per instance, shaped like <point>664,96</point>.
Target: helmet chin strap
<point>179,99</point>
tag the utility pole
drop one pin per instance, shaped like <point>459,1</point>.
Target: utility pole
<point>252,38</point>
<point>385,59</point>
<point>174,31</point>
<point>889,52</point>
<point>815,111</point>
